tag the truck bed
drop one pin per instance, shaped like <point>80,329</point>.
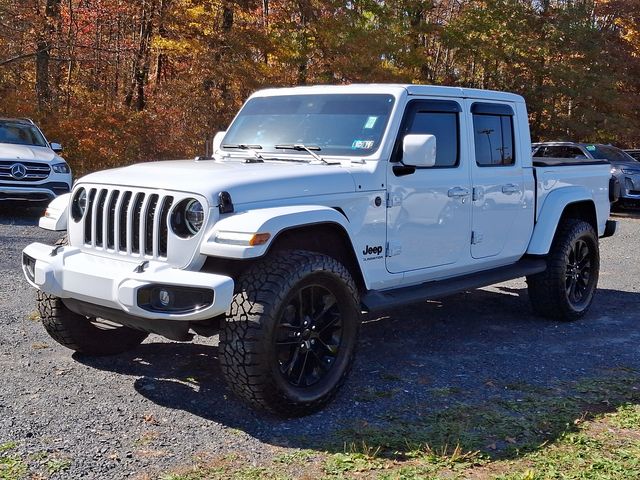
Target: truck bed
<point>556,173</point>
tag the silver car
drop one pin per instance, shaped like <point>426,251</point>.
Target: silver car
<point>30,168</point>
<point>624,168</point>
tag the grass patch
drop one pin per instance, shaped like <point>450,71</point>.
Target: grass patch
<point>12,468</point>
<point>8,446</point>
<point>340,463</point>
<point>626,416</point>
<point>56,465</point>
<point>581,456</point>
<point>296,456</point>
<point>588,430</point>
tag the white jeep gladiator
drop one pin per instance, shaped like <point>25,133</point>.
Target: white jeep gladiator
<point>318,204</point>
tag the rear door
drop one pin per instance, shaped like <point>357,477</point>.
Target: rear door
<point>497,177</point>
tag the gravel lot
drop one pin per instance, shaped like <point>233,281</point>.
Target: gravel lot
<point>155,408</point>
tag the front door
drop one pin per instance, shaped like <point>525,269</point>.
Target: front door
<point>429,209</point>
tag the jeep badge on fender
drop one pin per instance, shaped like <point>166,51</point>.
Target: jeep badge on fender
<point>372,250</point>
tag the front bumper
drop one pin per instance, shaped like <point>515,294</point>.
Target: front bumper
<point>34,193</point>
<point>67,272</point>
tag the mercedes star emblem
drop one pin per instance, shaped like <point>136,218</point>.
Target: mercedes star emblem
<point>18,171</point>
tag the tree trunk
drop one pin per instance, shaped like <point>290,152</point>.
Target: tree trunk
<point>44,44</point>
<point>161,61</point>
<point>142,58</point>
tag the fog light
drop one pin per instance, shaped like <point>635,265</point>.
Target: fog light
<point>164,297</point>
<point>174,299</point>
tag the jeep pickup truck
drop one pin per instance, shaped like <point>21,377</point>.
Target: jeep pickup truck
<point>318,204</point>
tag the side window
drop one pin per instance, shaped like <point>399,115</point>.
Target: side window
<point>444,126</point>
<point>552,151</point>
<point>436,117</point>
<point>559,151</point>
<point>493,134</point>
<point>576,153</point>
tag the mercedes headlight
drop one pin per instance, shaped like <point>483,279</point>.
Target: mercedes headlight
<point>61,168</point>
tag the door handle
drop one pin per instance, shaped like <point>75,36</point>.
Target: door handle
<point>458,192</point>
<point>510,188</point>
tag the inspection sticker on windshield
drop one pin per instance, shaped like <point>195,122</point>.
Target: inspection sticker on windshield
<point>591,148</point>
<point>362,144</point>
<point>371,121</point>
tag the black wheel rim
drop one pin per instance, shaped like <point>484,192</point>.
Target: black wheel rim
<point>579,272</point>
<point>309,336</point>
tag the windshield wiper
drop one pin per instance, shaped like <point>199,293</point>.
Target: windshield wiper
<point>246,146</point>
<point>303,148</point>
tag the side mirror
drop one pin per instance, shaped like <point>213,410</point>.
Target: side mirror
<point>217,141</point>
<point>56,147</point>
<point>419,150</point>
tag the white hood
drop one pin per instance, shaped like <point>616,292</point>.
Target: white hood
<point>28,153</point>
<point>246,182</point>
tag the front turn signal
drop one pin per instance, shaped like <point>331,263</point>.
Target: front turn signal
<point>242,238</point>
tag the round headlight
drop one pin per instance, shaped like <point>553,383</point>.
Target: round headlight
<point>194,216</point>
<point>79,204</point>
<point>187,218</point>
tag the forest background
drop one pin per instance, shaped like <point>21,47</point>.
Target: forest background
<point>123,81</point>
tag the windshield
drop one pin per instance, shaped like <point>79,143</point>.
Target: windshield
<point>339,124</point>
<point>20,134</point>
<point>613,154</point>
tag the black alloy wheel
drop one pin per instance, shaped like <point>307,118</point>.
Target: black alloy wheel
<point>578,273</point>
<point>309,336</point>
<point>289,338</point>
<point>565,290</point>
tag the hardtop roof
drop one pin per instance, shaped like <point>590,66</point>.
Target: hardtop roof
<point>396,89</point>
<point>20,121</point>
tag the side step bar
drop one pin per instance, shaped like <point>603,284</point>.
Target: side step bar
<point>375,300</point>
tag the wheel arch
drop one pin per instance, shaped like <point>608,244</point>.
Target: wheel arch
<point>328,238</point>
<point>315,228</point>
<point>559,206</point>
<point>55,217</point>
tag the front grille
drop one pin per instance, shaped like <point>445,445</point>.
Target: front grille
<point>125,221</point>
<point>34,171</point>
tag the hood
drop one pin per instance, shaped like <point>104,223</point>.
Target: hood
<point>246,182</point>
<point>9,151</point>
<point>625,164</point>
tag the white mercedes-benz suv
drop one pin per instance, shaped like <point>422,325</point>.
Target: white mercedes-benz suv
<point>30,167</point>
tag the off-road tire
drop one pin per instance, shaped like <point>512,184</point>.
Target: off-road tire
<point>548,291</point>
<point>249,346</point>
<point>82,334</point>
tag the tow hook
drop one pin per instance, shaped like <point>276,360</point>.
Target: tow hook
<point>141,267</point>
